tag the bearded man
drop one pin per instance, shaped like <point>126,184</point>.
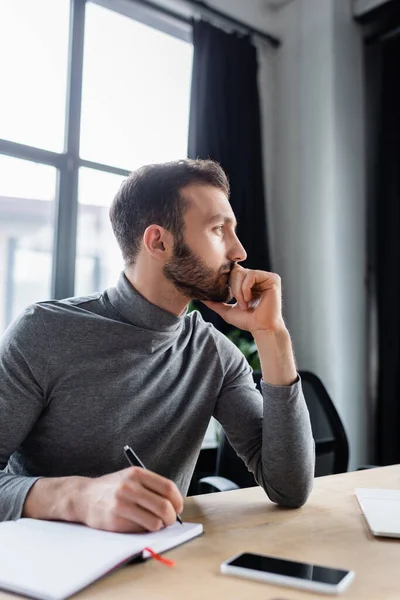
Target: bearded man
<point>82,377</point>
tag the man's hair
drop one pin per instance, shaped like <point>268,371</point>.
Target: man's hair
<point>152,195</point>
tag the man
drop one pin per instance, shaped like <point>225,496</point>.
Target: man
<point>82,377</point>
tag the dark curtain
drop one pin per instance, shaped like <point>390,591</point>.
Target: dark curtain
<point>225,126</point>
<point>387,254</point>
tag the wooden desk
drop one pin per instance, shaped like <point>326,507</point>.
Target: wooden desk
<point>329,529</point>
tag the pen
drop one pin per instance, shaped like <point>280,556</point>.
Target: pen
<point>134,460</point>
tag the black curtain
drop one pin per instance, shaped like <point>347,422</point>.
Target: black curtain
<point>225,126</point>
<point>386,212</point>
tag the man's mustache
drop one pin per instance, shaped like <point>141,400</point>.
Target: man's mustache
<point>227,268</point>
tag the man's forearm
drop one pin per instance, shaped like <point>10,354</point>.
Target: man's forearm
<point>127,501</point>
<point>276,356</point>
<point>57,498</point>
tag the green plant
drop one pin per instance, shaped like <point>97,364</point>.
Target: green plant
<point>247,346</point>
<point>191,307</point>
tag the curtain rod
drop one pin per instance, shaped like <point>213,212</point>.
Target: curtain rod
<point>202,7</point>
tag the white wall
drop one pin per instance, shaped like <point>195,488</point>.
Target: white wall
<point>351,227</point>
<point>317,213</point>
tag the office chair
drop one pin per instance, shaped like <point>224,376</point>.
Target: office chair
<point>331,444</point>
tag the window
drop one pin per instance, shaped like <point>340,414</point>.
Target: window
<point>33,71</point>
<point>99,259</point>
<point>84,101</point>
<point>136,92</point>
<point>27,192</point>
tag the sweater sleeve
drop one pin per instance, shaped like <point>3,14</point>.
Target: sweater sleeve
<point>271,432</point>
<point>23,368</point>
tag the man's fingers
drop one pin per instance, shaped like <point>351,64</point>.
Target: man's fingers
<point>133,492</point>
<point>236,282</point>
<point>221,308</point>
<point>160,485</point>
<point>134,514</point>
<point>247,285</point>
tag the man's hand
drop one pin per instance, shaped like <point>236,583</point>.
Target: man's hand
<point>258,309</point>
<point>130,500</point>
<point>258,301</point>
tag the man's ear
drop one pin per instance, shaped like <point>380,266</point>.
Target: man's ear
<point>158,242</point>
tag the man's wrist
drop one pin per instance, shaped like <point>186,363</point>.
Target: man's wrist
<point>278,332</point>
<point>58,498</point>
<point>276,356</point>
<point>75,509</point>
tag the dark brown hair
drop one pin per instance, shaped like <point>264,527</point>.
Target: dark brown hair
<point>152,195</point>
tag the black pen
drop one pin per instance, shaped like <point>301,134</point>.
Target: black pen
<point>134,461</point>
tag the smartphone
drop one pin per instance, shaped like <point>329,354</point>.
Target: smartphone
<point>279,571</point>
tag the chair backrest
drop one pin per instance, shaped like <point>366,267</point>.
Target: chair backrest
<point>331,445</point>
<point>232,467</point>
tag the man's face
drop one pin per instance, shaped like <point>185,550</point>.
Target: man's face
<point>208,249</point>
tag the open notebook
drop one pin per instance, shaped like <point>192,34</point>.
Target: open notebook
<point>51,560</point>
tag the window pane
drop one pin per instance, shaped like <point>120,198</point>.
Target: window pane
<point>136,90</point>
<point>27,192</point>
<point>99,261</point>
<point>33,71</point>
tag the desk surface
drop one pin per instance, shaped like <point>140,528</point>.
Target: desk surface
<point>329,529</point>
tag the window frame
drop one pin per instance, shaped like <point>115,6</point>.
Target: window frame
<point>69,162</point>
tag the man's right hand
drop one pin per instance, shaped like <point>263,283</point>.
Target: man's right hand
<point>130,500</point>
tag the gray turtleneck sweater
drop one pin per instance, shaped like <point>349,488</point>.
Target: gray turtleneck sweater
<point>82,377</point>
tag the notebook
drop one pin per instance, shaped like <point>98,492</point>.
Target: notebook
<point>50,560</point>
<point>381,509</point>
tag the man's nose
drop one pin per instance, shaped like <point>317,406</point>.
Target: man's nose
<point>237,253</point>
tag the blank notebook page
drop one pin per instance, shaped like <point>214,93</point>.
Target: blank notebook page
<point>53,560</point>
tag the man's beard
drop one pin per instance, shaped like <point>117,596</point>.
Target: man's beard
<point>194,278</point>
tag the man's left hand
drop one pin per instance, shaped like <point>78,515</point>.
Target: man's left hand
<point>258,305</point>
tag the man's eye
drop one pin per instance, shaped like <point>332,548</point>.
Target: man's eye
<point>219,228</point>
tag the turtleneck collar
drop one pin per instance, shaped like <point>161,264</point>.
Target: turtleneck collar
<point>139,311</point>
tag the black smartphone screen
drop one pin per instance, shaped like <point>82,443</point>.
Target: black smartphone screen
<point>268,564</point>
